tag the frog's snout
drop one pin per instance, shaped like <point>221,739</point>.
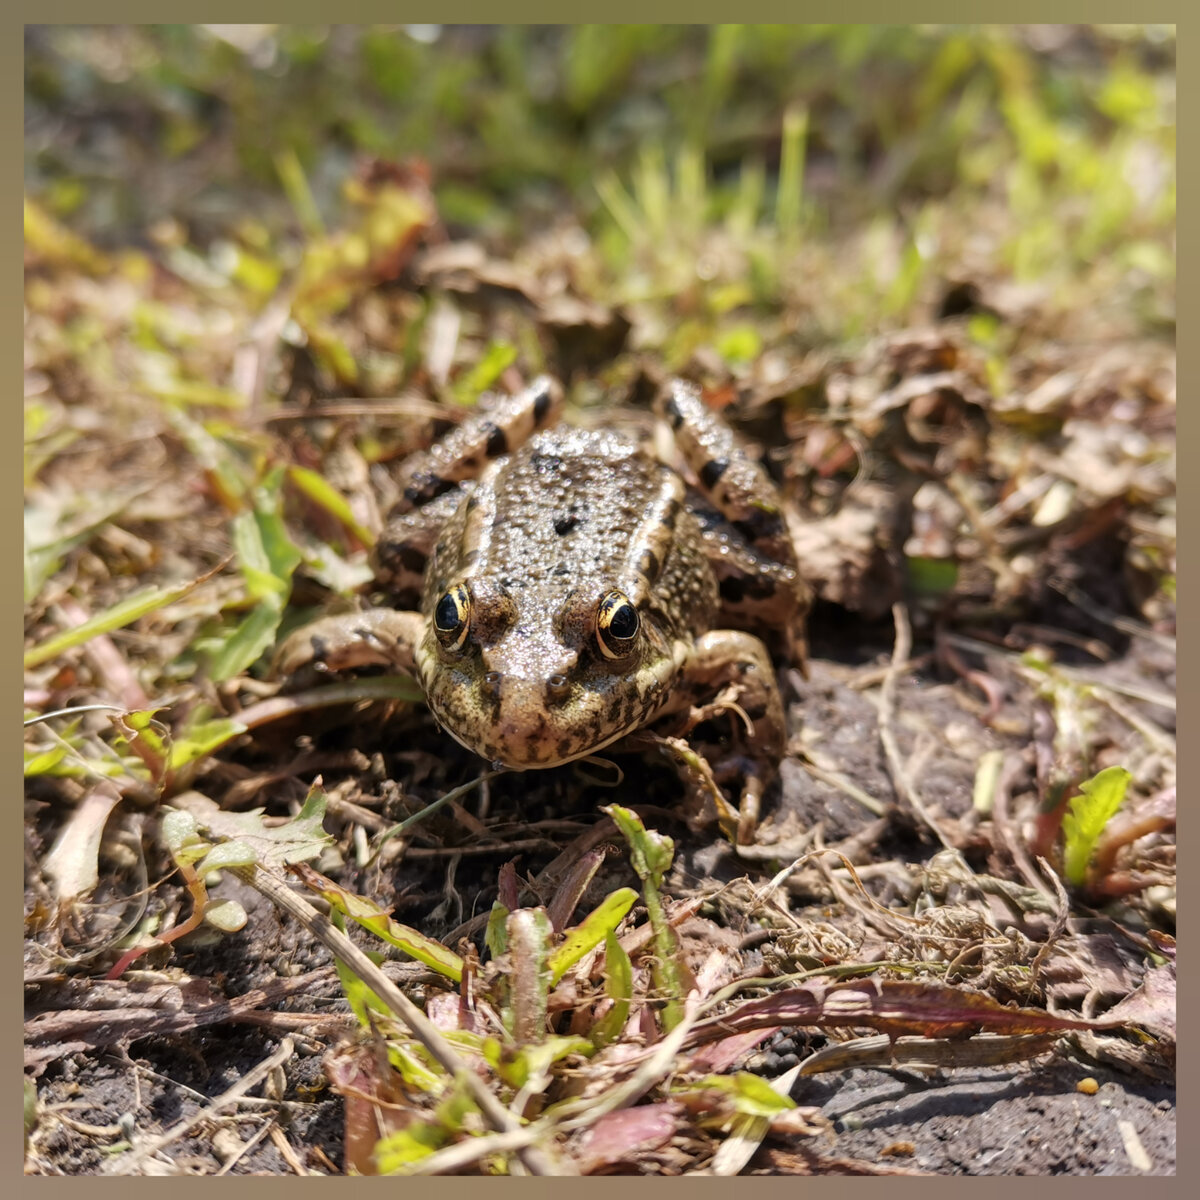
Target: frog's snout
<point>533,725</point>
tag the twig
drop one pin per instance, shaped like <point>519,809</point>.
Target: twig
<point>257,1137</point>
<point>285,1149</point>
<point>1002,823</point>
<point>70,712</point>
<point>834,779</point>
<point>537,1160</point>
<point>1077,674</point>
<point>449,798</point>
<point>462,1154</point>
<point>887,708</point>
<point>1060,920</point>
<point>661,1061</point>
<point>869,677</point>
<point>1158,738</point>
<point>1105,616</point>
<point>126,1164</point>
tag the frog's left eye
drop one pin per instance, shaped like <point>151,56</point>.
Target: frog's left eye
<point>452,617</point>
<point>617,624</point>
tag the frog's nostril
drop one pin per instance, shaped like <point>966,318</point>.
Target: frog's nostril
<point>557,685</point>
<point>491,684</point>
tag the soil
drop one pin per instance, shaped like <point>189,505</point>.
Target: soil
<point>1026,1118</point>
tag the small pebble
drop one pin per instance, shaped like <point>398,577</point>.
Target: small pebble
<point>1088,1086</point>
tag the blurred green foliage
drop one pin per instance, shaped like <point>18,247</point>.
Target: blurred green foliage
<point>517,118</point>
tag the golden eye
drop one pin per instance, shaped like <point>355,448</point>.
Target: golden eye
<point>452,617</point>
<point>617,624</point>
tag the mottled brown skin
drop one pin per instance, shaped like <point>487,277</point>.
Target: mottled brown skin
<point>528,537</point>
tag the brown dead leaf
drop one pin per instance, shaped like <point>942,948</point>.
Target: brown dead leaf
<point>616,1138</point>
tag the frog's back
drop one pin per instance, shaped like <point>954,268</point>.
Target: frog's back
<point>571,510</point>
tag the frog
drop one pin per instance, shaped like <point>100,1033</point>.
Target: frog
<point>577,587</point>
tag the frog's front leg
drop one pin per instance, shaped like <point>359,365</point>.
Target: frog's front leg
<point>725,658</point>
<point>349,641</point>
<point>742,523</point>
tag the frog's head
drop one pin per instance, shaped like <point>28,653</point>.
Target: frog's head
<point>529,681</point>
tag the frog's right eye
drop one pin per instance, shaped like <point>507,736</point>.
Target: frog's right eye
<point>452,617</point>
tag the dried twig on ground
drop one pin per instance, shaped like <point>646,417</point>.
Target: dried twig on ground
<point>127,1164</point>
<point>887,708</point>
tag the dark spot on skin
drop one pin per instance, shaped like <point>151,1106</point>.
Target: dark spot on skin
<point>497,441</point>
<point>712,471</point>
<point>412,559</point>
<point>761,523</point>
<point>672,514</point>
<point>541,406</point>
<point>425,486</point>
<point>564,524</point>
<point>649,566</point>
<point>733,588</point>
<point>614,711</point>
<point>674,413</point>
<point>472,502</point>
<point>760,588</point>
<point>562,569</point>
<point>564,747</point>
<point>756,712</point>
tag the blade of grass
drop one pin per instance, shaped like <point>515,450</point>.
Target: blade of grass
<point>121,614</point>
<point>789,200</point>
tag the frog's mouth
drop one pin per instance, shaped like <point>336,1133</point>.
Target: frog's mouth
<point>532,745</point>
<point>499,759</point>
<point>522,732</point>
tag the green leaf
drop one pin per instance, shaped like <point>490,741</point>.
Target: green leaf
<point>200,737</point>
<point>650,852</point>
<point>409,1060</point>
<point>751,1094</point>
<point>618,984</point>
<point>497,358</point>
<point>741,344</point>
<point>1087,816</point>
<point>589,933</point>
<point>226,915</point>
<point>296,841</point>
<point>361,998</point>
<point>533,1061</point>
<point>181,833</point>
<point>378,921</point>
<point>326,496</point>
<point>268,548</point>
<point>40,762</point>
<point>495,937</point>
<point>131,609</point>
<point>267,558</point>
<point>227,854</point>
<point>245,644</point>
<point>43,560</point>
<point>411,1144</point>
<point>932,576</point>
